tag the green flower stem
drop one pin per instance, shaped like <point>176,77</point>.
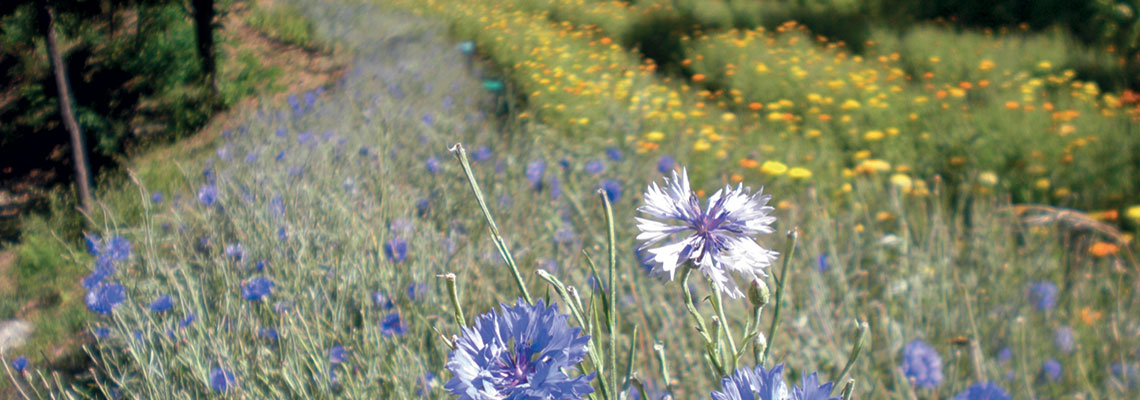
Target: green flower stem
<point>718,304</point>
<point>611,305</point>
<point>461,154</point>
<point>855,350</point>
<point>453,291</point>
<point>576,311</point>
<point>710,344</point>
<point>789,251</point>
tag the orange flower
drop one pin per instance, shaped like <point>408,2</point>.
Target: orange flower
<point>698,78</point>
<point>1103,249</point>
<point>749,163</point>
<point>1106,215</point>
<point>1089,317</point>
<point>1012,105</point>
<point>966,85</point>
<point>755,106</point>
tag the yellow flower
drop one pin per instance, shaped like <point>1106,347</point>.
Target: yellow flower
<point>1133,213</point>
<point>1042,184</point>
<point>873,166</point>
<point>874,135</point>
<point>799,173</point>
<point>728,117</point>
<point>986,65</point>
<point>655,136</point>
<point>814,133</point>
<point>902,181</point>
<point>774,168</point>
<point>849,104</point>
<point>701,145</point>
<point>988,178</point>
<point>1044,65</point>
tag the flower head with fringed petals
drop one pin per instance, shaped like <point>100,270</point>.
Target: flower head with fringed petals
<point>717,239</point>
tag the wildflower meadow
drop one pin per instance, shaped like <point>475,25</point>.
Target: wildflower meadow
<point>525,199</point>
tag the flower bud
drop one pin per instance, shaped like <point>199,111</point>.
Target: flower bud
<point>758,293</point>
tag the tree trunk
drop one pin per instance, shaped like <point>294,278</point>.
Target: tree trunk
<point>78,147</point>
<point>204,27</point>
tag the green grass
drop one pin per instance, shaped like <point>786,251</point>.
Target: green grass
<point>284,23</point>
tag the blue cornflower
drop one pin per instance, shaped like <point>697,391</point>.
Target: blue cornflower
<point>257,289</point>
<point>393,325</point>
<point>983,391</point>
<point>615,153</point>
<point>20,363</point>
<point>432,164</point>
<point>337,355</point>
<point>1043,295</point>
<point>118,248</point>
<point>396,250</point>
<point>208,195</point>
<point>717,240</point>
<point>104,268</point>
<point>666,164</point>
<point>282,234</point>
<point>1051,369</point>
<point>1063,338</point>
<point>222,380</point>
<point>157,198</point>
<point>519,352</point>
<point>754,384</point>
<point>427,119</point>
<point>185,322</point>
<point>483,153</point>
<point>281,132</point>
<point>595,167</point>
<point>922,365</point>
<point>613,190</point>
<point>810,389</point>
<point>422,207</point>
<point>269,334</point>
<point>534,172</point>
<point>235,251</point>
<point>104,297</point>
<point>162,304</point>
<point>821,263</point>
<point>101,332</point>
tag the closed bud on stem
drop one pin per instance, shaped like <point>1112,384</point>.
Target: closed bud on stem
<point>758,293</point>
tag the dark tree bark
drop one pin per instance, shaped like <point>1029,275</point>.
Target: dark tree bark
<point>204,27</point>
<point>78,145</point>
